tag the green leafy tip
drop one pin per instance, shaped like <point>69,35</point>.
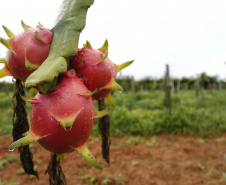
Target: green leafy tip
<point>102,113</point>
<point>104,56</point>
<point>113,85</point>
<point>86,154</point>
<point>123,65</point>
<point>24,25</point>
<point>104,48</point>
<point>4,71</point>
<point>29,65</point>
<point>87,44</point>
<point>88,94</point>
<point>9,33</point>
<point>28,139</point>
<point>67,121</point>
<point>6,43</point>
<point>110,100</point>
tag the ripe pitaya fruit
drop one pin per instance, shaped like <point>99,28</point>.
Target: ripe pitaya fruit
<point>97,70</point>
<point>62,120</point>
<point>26,51</point>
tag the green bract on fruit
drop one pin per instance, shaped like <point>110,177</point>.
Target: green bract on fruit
<point>62,120</point>
<point>26,51</point>
<point>97,70</point>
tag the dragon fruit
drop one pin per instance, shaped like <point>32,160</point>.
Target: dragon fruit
<point>26,51</point>
<point>97,70</point>
<point>62,120</point>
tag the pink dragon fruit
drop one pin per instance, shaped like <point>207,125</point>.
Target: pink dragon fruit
<point>62,120</point>
<point>97,70</point>
<point>26,51</point>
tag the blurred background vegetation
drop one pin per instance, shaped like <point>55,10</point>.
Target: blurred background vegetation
<point>197,106</point>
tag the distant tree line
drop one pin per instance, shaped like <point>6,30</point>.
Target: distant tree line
<point>150,83</point>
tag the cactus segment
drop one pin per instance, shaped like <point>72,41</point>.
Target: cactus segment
<point>110,100</point>
<point>104,48</point>
<point>123,65</point>
<point>4,71</point>
<point>87,44</point>
<point>67,121</point>
<point>9,33</point>
<point>104,56</point>
<point>6,43</point>
<point>30,100</point>
<point>28,139</point>
<point>61,156</point>
<point>88,94</point>
<point>102,113</point>
<point>47,71</point>
<point>69,23</point>
<point>113,85</point>
<point>86,154</point>
<point>29,65</point>
<point>24,25</point>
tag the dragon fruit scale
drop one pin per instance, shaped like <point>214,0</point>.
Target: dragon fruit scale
<point>62,120</point>
<point>26,51</point>
<point>97,70</point>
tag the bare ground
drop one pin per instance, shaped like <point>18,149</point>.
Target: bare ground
<point>158,160</point>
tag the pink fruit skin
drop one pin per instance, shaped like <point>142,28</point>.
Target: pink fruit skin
<point>97,75</point>
<point>63,102</point>
<point>26,44</point>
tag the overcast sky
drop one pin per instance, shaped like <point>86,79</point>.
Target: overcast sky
<point>189,35</point>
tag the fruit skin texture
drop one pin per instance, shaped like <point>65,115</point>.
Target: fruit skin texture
<point>97,74</point>
<point>64,102</point>
<point>34,44</point>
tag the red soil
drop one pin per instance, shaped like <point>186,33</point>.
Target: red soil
<point>159,160</point>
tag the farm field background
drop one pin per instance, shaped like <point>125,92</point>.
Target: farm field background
<point>150,144</point>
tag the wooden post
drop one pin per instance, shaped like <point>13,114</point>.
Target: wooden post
<point>168,88</point>
<point>133,89</point>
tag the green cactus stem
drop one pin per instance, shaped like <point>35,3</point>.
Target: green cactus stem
<point>70,22</point>
<point>109,100</point>
<point>86,154</point>
<point>104,48</point>
<point>123,65</point>
<point>28,139</point>
<point>9,33</point>
<point>113,85</point>
<point>67,121</point>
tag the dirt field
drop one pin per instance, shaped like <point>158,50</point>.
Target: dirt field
<point>158,160</point>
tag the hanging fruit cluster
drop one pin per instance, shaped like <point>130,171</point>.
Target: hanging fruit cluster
<point>62,112</point>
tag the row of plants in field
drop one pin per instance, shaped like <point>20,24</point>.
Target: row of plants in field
<point>148,114</point>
